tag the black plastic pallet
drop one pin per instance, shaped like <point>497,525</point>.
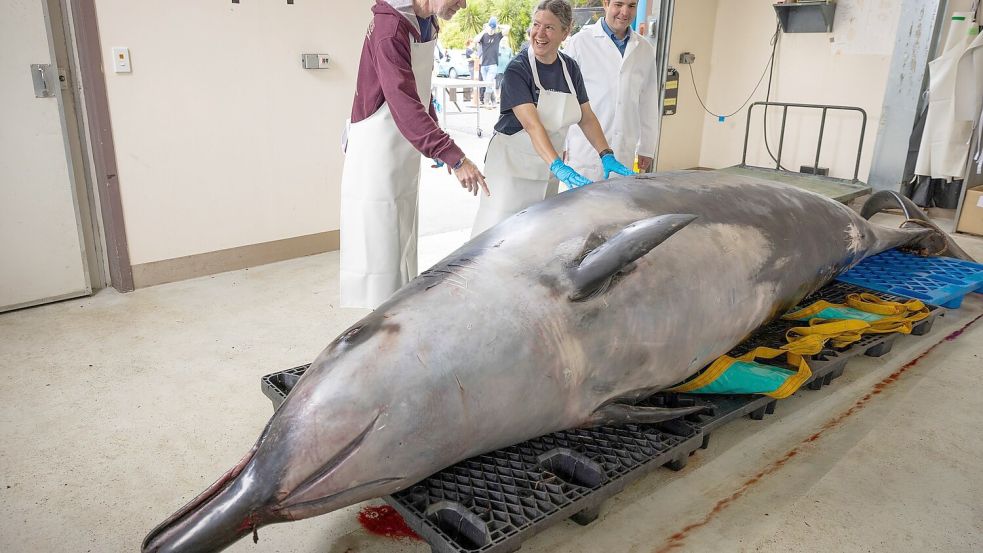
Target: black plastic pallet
<point>493,502</point>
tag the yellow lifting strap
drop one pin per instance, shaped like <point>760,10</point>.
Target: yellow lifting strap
<point>896,317</point>
<point>718,367</point>
<point>873,304</point>
<point>809,340</point>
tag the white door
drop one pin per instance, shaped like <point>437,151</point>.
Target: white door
<point>41,257</point>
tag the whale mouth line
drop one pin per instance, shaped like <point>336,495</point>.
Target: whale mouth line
<point>315,503</point>
<point>309,486</point>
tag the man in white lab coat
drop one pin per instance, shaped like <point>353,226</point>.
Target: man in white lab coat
<point>623,86</point>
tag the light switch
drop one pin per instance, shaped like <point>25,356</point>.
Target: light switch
<point>121,60</point>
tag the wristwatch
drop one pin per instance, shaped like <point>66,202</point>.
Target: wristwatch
<point>605,152</point>
<point>459,163</point>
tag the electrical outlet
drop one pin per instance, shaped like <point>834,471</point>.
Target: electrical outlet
<point>687,58</point>
<point>121,60</point>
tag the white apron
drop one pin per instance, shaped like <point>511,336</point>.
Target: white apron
<point>969,93</point>
<point>945,142</point>
<point>380,187</point>
<point>517,177</point>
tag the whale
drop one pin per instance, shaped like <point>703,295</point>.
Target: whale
<point>565,315</point>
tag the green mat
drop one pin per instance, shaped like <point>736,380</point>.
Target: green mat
<point>841,190</point>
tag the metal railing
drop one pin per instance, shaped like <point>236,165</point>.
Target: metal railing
<point>822,128</point>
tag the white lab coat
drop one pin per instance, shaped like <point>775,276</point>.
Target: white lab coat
<point>969,93</point>
<point>623,92</point>
<point>945,141</point>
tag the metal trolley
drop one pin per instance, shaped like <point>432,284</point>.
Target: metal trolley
<point>441,86</point>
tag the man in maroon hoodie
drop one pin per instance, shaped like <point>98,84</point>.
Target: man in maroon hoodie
<point>393,122</point>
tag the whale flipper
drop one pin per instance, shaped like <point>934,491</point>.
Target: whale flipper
<point>618,252</point>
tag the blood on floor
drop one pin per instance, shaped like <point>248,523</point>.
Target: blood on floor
<point>384,521</point>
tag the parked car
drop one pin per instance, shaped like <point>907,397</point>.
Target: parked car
<point>453,64</point>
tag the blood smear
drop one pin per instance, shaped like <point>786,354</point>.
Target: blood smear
<point>385,521</point>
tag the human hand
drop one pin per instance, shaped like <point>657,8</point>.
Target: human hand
<point>612,165</point>
<point>471,178</point>
<point>566,174</point>
<point>644,164</point>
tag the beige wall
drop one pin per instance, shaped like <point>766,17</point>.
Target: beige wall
<point>222,138</point>
<point>682,133</point>
<point>846,67</point>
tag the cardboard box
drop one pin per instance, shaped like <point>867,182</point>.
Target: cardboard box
<point>971,220</point>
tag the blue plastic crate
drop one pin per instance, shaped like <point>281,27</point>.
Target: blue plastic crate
<point>935,280</point>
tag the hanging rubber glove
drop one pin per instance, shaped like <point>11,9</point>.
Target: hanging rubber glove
<point>567,175</point>
<point>612,165</point>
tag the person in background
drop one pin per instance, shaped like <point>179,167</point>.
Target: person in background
<point>470,55</point>
<point>474,59</point>
<point>504,57</point>
<point>619,66</point>
<point>393,121</point>
<point>543,95</point>
<point>488,45</point>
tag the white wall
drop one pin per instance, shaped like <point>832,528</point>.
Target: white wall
<point>682,133</point>
<point>847,67</point>
<point>222,138</point>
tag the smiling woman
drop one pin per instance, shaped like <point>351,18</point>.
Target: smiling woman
<point>543,95</point>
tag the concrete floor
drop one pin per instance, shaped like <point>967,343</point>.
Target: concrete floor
<point>445,207</point>
<point>120,408</point>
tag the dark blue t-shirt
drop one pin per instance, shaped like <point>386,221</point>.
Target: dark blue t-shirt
<point>489,43</point>
<point>518,87</point>
<point>426,28</point>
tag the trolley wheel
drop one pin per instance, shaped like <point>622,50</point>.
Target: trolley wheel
<point>479,133</point>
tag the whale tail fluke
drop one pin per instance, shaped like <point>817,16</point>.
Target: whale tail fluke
<point>937,242</point>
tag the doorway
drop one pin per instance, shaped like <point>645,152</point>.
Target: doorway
<point>44,209</point>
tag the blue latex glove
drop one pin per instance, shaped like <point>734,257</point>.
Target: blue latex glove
<point>612,165</point>
<point>566,174</point>
<point>437,164</point>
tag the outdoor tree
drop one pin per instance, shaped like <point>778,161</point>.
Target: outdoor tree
<point>473,18</point>
<point>469,22</point>
<point>517,14</point>
<point>514,14</point>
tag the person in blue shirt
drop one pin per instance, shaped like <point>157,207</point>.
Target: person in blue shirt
<point>489,43</point>
<point>543,95</point>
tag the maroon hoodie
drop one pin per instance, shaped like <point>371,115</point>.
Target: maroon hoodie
<point>385,75</point>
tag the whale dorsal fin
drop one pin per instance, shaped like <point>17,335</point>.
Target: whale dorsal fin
<point>617,253</point>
